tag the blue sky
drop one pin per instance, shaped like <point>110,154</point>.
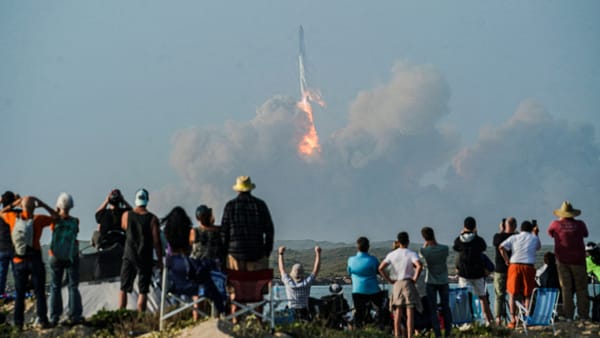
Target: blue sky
<point>96,95</point>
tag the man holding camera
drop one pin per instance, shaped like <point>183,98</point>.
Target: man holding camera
<point>108,217</point>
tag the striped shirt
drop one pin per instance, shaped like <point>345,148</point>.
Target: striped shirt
<point>297,292</point>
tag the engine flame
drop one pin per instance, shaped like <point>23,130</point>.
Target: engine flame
<point>309,143</point>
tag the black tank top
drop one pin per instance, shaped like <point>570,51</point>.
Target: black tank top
<point>139,242</point>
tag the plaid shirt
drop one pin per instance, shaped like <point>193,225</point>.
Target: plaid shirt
<point>297,292</point>
<point>247,228</point>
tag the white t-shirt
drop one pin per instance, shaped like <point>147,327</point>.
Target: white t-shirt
<point>401,261</point>
<point>523,247</point>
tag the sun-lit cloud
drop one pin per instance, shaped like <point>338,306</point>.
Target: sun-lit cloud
<point>371,175</point>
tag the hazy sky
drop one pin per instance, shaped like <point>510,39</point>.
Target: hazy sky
<point>435,111</point>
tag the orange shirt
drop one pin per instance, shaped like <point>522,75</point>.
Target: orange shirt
<point>39,223</point>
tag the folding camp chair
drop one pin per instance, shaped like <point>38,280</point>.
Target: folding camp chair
<point>248,293</point>
<point>542,308</point>
<point>460,306</point>
<point>182,294</point>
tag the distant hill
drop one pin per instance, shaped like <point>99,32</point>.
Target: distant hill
<point>334,256</point>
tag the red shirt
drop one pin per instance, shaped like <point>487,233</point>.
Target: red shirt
<point>569,246</point>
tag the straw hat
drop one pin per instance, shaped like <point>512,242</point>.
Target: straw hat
<point>566,210</point>
<point>243,184</point>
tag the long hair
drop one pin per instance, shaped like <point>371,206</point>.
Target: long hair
<point>177,228</point>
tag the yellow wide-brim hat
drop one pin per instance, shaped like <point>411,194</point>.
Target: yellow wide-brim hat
<point>566,210</point>
<point>243,184</point>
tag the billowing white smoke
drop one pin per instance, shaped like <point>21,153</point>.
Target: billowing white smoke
<point>369,178</point>
<point>527,167</point>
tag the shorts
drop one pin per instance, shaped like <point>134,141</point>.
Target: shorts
<point>240,265</point>
<point>521,279</point>
<point>404,294</point>
<point>477,284</point>
<point>128,273</point>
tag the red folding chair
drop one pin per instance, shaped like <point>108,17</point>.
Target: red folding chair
<point>249,289</point>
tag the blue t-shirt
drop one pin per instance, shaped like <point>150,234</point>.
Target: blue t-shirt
<point>363,270</point>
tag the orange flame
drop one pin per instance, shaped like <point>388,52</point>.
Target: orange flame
<point>309,144</point>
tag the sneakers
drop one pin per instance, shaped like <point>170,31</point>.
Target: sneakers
<point>512,325</point>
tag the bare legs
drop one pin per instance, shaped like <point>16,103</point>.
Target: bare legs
<point>410,322</point>
<point>141,304</point>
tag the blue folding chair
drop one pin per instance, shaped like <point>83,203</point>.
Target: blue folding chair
<point>542,309</point>
<point>460,306</point>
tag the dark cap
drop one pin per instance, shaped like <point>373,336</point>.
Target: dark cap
<point>201,210</point>
<point>115,196</point>
<point>7,198</point>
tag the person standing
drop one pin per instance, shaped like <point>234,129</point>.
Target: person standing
<point>297,286</point>
<point>28,255</point>
<point>6,246</point>
<point>246,229</point>
<point>592,260</point>
<point>435,256</point>
<point>471,268</point>
<point>365,287</point>
<point>64,256</point>
<point>108,217</point>
<point>569,248</point>
<point>507,229</point>
<point>142,235</point>
<point>406,266</point>
<point>521,266</point>
<point>205,240</point>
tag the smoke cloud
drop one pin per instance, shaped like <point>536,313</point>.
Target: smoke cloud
<point>373,175</point>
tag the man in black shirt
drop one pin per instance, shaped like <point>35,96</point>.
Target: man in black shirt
<point>108,217</point>
<point>247,229</point>
<point>143,237</point>
<point>507,229</point>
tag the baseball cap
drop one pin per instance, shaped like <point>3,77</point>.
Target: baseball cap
<point>141,198</point>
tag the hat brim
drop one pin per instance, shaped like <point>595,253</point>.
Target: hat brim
<point>140,203</point>
<point>567,214</point>
<point>244,188</point>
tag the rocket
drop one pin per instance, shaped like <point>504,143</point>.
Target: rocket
<point>303,85</point>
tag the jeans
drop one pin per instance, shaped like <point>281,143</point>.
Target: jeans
<point>432,293</point>
<point>31,266</point>
<point>574,278</point>
<point>5,260</point>
<point>500,291</point>
<point>57,268</point>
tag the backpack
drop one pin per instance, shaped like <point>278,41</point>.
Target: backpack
<point>64,239</point>
<point>489,266</point>
<point>22,235</point>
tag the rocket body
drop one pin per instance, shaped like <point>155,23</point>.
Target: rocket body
<point>301,69</point>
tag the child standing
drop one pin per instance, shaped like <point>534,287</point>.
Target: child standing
<point>406,266</point>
